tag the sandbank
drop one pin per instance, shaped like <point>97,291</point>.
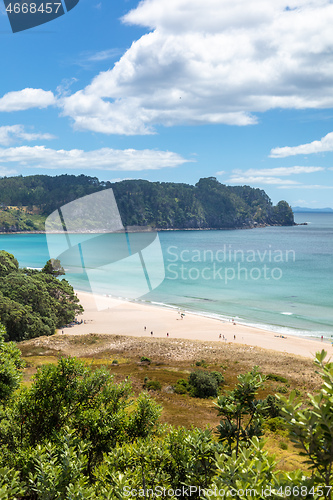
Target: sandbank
<point>139,320</point>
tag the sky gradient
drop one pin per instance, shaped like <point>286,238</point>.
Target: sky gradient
<point>175,90</point>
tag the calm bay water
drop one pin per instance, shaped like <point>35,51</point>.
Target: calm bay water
<point>276,277</point>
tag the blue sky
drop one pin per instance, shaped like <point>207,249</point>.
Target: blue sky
<point>175,90</point>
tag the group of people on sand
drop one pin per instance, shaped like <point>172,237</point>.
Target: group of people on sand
<point>225,338</point>
<point>152,333</point>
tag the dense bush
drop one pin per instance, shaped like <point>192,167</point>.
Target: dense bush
<point>203,384</point>
<point>200,384</point>
<point>144,359</point>
<point>34,303</point>
<point>276,378</point>
<point>10,366</point>
<point>153,385</point>
<point>75,434</point>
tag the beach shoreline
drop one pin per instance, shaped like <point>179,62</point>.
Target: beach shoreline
<point>130,318</point>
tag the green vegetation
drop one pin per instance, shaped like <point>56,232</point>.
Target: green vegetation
<point>54,268</point>
<point>162,205</point>
<point>200,383</point>
<point>312,428</point>
<point>242,414</point>
<point>34,303</point>
<point>75,433</point>
<point>144,359</point>
<point>10,366</point>
<point>276,378</point>
<point>201,363</point>
<point>19,219</point>
<point>152,385</point>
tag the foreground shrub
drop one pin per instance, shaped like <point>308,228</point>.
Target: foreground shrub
<point>241,412</point>
<point>311,429</point>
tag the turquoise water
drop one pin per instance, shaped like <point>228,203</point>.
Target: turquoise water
<point>275,277</point>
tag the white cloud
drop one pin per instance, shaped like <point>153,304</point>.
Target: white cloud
<point>281,171</point>
<point>212,62</point>
<point>103,159</point>
<point>10,134</point>
<point>306,186</point>
<point>26,99</point>
<point>102,55</point>
<point>5,172</point>
<point>219,61</point>
<point>269,175</point>
<point>325,144</point>
<point>239,179</point>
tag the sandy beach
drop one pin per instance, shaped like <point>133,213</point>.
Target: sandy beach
<point>139,320</point>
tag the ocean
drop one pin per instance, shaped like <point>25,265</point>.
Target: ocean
<point>276,278</point>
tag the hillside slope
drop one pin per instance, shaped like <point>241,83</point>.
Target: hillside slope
<point>161,205</point>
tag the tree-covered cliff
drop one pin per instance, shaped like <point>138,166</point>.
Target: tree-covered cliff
<point>163,205</point>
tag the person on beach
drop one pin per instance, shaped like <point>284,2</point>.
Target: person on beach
<point>220,336</point>
<point>167,335</point>
<point>145,328</point>
<point>151,333</point>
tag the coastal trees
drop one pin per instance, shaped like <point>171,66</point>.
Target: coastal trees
<point>283,214</point>
<point>11,365</point>
<point>34,303</point>
<point>8,263</point>
<point>53,267</point>
<point>208,204</point>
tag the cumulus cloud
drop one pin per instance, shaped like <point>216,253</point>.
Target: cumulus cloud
<point>26,99</point>
<point>212,62</point>
<point>325,144</point>
<point>102,159</point>
<point>10,134</point>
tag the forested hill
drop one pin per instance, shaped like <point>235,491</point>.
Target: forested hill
<point>162,205</point>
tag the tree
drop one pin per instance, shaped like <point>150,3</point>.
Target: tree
<point>284,214</point>
<point>34,303</point>
<point>311,429</point>
<point>53,267</point>
<point>10,366</point>
<point>8,263</point>
<point>241,412</point>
